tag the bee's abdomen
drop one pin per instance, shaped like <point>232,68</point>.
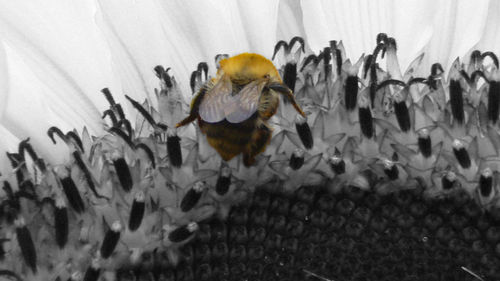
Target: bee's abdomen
<point>227,138</point>
<point>353,235</point>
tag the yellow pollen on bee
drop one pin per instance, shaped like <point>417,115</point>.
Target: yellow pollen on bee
<point>249,67</point>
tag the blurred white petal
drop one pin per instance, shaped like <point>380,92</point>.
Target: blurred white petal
<point>289,20</point>
<point>180,34</point>
<point>490,40</point>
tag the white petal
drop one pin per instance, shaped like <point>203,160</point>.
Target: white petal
<point>62,46</point>
<point>289,20</point>
<point>31,109</point>
<point>490,40</point>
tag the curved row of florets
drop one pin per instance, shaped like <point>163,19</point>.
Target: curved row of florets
<point>144,185</point>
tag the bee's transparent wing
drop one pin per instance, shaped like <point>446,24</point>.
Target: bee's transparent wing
<point>212,107</point>
<point>245,102</point>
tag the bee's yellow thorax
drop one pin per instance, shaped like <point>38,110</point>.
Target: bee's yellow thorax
<point>247,67</point>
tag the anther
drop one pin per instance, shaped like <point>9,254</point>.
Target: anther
<point>297,159</point>
<point>424,143</point>
<point>111,240</point>
<point>192,196</point>
<point>137,211</point>
<point>461,154</point>
<point>304,131</point>
<point>174,148</point>
<point>223,181</point>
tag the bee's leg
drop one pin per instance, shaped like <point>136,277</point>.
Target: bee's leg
<point>195,105</point>
<point>260,139</point>
<point>187,120</point>
<point>280,88</point>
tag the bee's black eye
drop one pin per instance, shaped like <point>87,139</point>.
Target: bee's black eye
<point>267,76</point>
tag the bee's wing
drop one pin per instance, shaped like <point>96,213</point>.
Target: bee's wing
<point>215,100</point>
<point>245,102</point>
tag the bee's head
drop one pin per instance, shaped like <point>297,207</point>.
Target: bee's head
<point>246,67</point>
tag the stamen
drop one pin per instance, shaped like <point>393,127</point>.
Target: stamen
<point>86,173</point>
<point>148,152</point>
<point>338,56</point>
<point>223,181</point>
<point>278,46</point>
<point>137,211</point>
<point>461,154</point>
<point>310,59</point>
<point>117,131</point>
<point>142,110</point>
<point>109,97</point>
<point>111,240</point>
<point>119,109</point>
<point>424,143</point>
<point>295,40</point>
<point>26,244</point>
<point>54,130</point>
<point>493,57</point>
<point>76,139</point>
<point>193,196</point>
<point>24,146</point>
<point>297,159</point>
<point>304,131</point>
<point>128,127</point>
<point>111,114</point>
<point>174,148</point>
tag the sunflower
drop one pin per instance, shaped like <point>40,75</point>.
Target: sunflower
<point>392,174</point>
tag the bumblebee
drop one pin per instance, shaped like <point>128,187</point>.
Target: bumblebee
<point>233,108</point>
